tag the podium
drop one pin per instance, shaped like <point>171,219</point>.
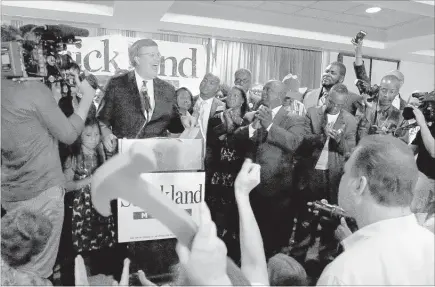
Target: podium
<point>180,174</point>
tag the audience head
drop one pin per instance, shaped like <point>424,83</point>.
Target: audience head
<point>333,74</point>
<point>291,82</point>
<point>237,99</point>
<point>184,99</point>
<point>24,233</point>
<point>399,75</point>
<point>209,86</point>
<point>90,137</point>
<point>380,175</point>
<point>243,78</point>
<point>428,105</point>
<point>388,90</point>
<point>273,94</point>
<point>285,271</point>
<point>145,57</point>
<point>336,99</point>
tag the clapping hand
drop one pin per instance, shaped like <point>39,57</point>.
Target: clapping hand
<point>110,142</point>
<point>206,262</point>
<point>265,116</point>
<point>419,117</point>
<point>248,178</point>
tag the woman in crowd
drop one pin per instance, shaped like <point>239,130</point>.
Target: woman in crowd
<point>225,162</point>
<point>184,101</point>
<point>24,234</point>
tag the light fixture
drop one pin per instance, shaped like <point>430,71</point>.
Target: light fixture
<point>373,10</point>
<point>261,28</point>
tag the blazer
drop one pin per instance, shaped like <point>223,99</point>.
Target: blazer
<point>274,151</point>
<point>353,102</point>
<point>361,74</point>
<point>216,106</point>
<point>314,141</point>
<point>394,118</point>
<point>121,109</point>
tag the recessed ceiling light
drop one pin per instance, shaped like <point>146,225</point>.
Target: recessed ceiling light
<point>373,10</point>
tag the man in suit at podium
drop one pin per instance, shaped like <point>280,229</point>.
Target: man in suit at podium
<point>137,104</point>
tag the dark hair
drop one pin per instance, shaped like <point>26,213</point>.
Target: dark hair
<point>390,169</point>
<point>244,108</point>
<point>24,233</point>
<point>190,95</point>
<point>339,89</point>
<point>341,66</point>
<point>133,51</point>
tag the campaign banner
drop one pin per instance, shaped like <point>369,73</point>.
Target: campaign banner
<point>186,189</point>
<point>181,64</point>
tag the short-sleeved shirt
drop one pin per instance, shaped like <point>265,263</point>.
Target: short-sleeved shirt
<point>425,163</point>
<point>32,124</point>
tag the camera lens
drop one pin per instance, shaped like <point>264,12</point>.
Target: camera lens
<point>64,62</point>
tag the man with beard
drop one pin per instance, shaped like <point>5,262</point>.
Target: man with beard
<point>334,73</point>
<point>381,117</point>
<point>273,137</point>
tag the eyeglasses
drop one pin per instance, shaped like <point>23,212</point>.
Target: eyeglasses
<point>241,81</point>
<point>153,55</point>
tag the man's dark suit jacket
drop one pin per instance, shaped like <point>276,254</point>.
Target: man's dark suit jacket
<point>274,151</point>
<point>361,74</point>
<point>314,141</point>
<point>121,109</point>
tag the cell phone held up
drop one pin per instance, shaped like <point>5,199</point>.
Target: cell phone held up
<point>359,37</point>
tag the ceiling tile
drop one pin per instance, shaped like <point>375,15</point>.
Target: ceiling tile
<point>279,7</point>
<point>247,4</point>
<point>385,18</point>
<point>335,6</point>
<point>297,3</point>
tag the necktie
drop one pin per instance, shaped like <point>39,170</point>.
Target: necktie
<point>145,100</point>
<point>322,99</point>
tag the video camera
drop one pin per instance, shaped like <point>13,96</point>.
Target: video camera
<point>365,88</point>
<point>41,54</point>
<point>426,108</point>
<point>331,214</point>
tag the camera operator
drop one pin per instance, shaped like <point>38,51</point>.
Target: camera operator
<point>424,143</point>
<point>380,116</point>
<point>32,177</point>
<point>390,247</point>
<point>361,74</point>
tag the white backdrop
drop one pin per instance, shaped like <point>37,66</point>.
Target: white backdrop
<point>183,65</point>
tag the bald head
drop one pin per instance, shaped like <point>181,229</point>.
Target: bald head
<point>273,93</point>
<point>388,90</point>
<point>399,75</point>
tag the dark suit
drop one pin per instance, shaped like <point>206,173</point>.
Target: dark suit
<point>361,74</point>
<point>271,199</point>
<point>353,101</point>
<point>121,109</point>
<point>312,147</point>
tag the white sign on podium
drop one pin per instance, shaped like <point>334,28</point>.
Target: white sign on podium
<point>177,176</point>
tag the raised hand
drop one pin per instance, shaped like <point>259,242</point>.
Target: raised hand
<point>206,262</point>
<point>248,178</point>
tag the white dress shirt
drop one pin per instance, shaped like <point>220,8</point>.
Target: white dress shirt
<point>150,90</point>
<point>274,112</point>
<point>396,251</point>
<point>204,107</point>
<point>322,162</point>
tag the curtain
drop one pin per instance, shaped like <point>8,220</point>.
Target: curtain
<point>265,62</point>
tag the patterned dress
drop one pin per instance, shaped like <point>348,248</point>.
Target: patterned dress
<point>90,230</point>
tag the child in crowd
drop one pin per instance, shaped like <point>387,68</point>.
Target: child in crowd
<point>90,232</point>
